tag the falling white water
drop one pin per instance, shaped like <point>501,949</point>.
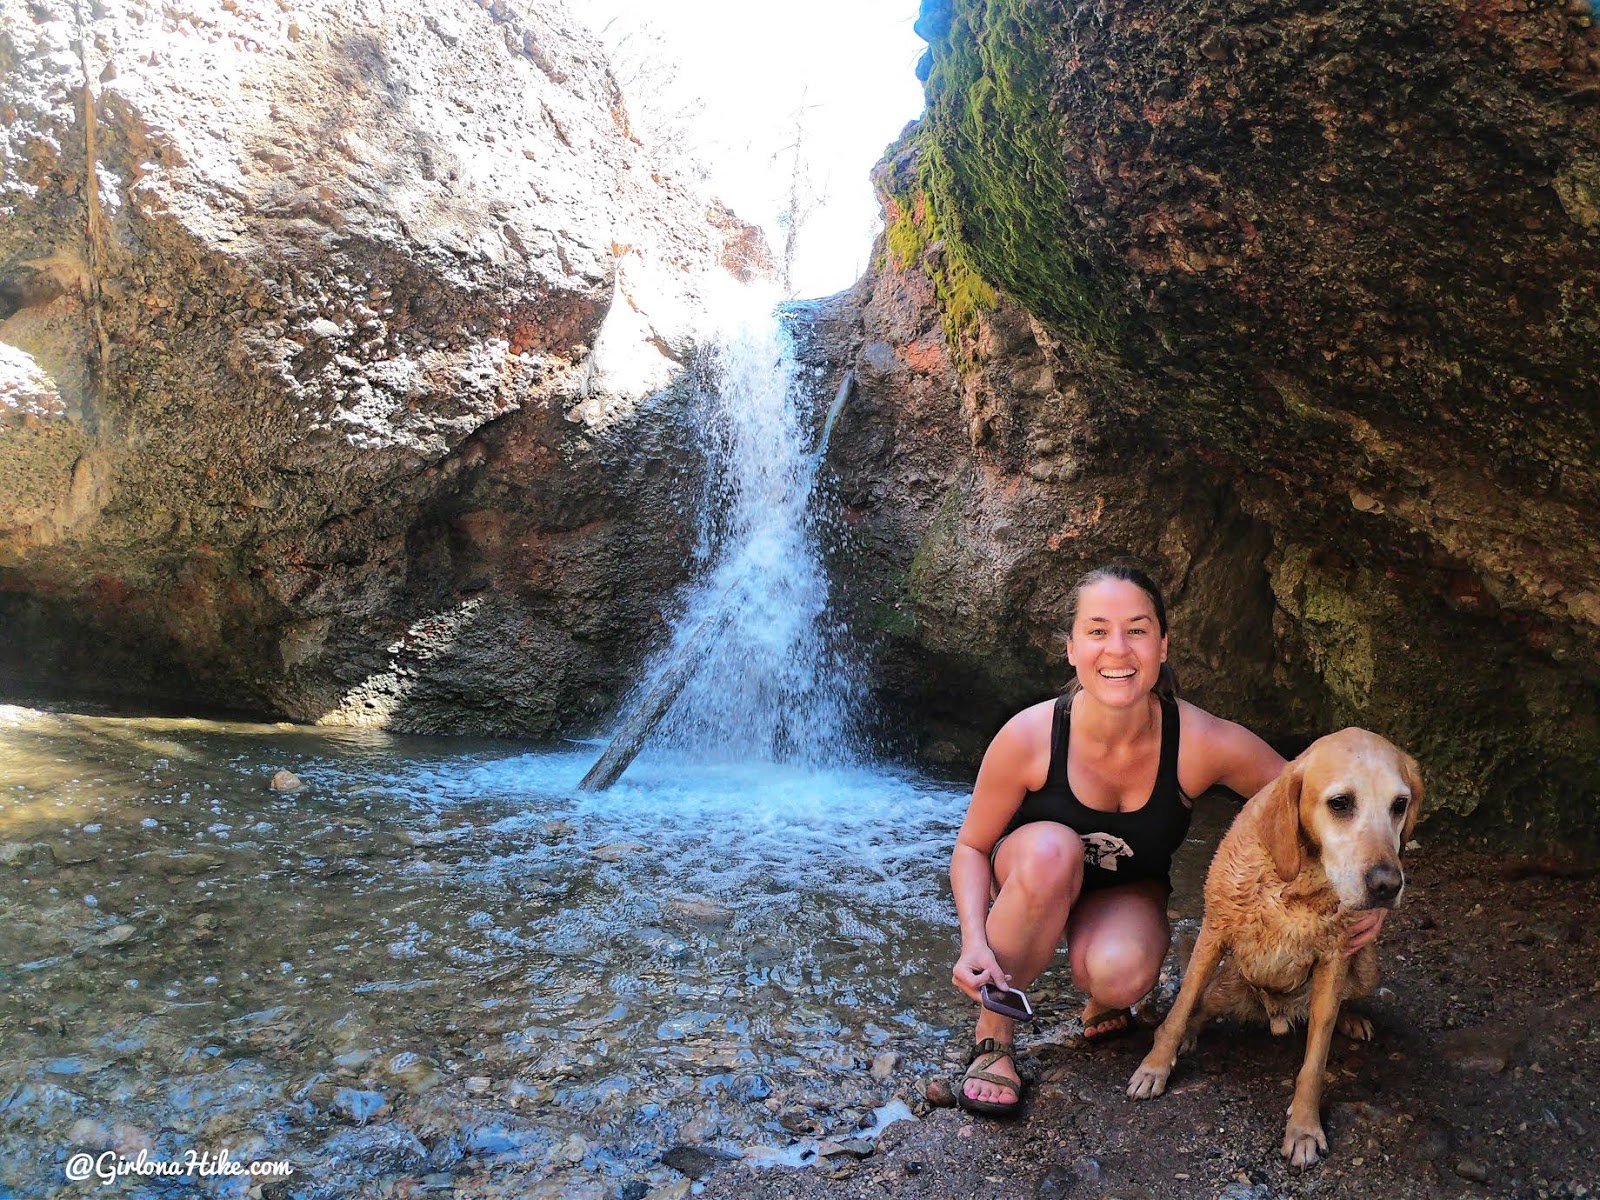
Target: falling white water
<point>777,684</point>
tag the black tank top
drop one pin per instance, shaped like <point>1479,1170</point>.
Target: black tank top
<point>1119,847</point>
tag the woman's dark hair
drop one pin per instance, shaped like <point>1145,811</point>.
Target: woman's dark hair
<point>1127,572</point>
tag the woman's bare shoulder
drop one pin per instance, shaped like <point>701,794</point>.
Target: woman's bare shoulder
<point>1215,750</point>
<point>1022,747</point>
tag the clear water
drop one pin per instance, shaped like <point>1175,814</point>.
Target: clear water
<point>582,980</point>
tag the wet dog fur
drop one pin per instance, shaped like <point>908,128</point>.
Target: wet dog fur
<point>1307,853</point>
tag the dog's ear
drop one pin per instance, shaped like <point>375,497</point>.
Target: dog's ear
<point>1413,777</point>
<point>1281,829</point>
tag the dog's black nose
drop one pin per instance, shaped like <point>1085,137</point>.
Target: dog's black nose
<point>1383,884</point>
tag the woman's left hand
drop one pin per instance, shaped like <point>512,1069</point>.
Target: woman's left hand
<point>1365,930</point>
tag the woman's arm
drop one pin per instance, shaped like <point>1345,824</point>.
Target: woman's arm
<point>1002,782</point>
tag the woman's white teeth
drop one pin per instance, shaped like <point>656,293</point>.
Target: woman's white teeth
<point>1127,673</point>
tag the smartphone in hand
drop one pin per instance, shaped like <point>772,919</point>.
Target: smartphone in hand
<point>1006,1002</point>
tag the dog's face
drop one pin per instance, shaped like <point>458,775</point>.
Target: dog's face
<point>1351,800</point>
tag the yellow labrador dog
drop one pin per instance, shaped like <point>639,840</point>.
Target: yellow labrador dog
<point>1319,843</point>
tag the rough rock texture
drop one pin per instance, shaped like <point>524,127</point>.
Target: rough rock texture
<point>1341,262</point>
<point>970,501</point>
<point>327,335</point>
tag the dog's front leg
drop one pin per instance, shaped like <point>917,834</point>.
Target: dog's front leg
<point>1303,1139</point>
<point>1150,1079</point>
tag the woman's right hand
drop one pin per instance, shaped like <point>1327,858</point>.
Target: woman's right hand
<point>977,966</point>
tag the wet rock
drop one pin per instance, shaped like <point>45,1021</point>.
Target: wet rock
<point>72,854</point>
<point>413,1072</point>
<point>195,863</point>
<point>694,1161</point>
<point>700,910</point>
<point>479,1085</point>
<point>1238,1190</point>
<point>286,781</point>
<point>700,1128</point>
<point>939,1093</point>
<point>1480,1048</point>
<point>672,1191</point>
<point>23,854</point>
<point>574,1148</point>
<point>615,852</point>
<point>117,935</point>
<point>848,1148</point>
<point>799,1120</point>
<point>884,1064</point>
<point>90,1134</point>
<point>388,1145</point>
<point>358,1107</point>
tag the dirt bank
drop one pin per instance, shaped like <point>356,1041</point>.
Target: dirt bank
<point>1479,1082</point>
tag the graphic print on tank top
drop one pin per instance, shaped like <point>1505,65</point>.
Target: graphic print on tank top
<point>1103,850</point>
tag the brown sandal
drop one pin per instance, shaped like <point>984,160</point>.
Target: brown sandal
<point>1112,1023</point>
<point>984,1055</point>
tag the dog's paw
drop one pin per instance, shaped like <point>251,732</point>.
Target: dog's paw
<point>1303,1144</point>
<point>1190,1037</point>
<point>1149,1081</point>
<point>1353,1025</point>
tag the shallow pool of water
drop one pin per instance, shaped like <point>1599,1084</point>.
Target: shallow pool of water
<point>439,962</point>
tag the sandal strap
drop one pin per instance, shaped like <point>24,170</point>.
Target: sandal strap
<point>993,1046</point>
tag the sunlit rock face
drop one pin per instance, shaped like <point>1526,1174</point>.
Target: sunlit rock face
<point>1337,268</point>
<point>327,337</point>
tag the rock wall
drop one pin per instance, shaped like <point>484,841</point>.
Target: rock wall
<point>339,348</point>
<point>1318,283</point>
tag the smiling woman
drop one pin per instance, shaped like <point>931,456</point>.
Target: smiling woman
<point>1078,808</point>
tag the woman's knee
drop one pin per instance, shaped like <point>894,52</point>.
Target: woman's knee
<point>1119,971</point>
<point>1048,863</point>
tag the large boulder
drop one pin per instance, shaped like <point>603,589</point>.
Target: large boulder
<point>1329,273</point>
<point>339,362</point>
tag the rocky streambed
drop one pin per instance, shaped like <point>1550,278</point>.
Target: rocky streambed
<point>436,969</point>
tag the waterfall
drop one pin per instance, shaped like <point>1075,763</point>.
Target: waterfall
<point>773,679</point>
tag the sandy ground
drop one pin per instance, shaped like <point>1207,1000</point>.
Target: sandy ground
<point>1480,1081</point>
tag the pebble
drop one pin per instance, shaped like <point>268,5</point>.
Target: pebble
<point>413,1072</point>
<point>614,852</point>
<point>358,1107</point>
<point>479,1085</point>
<point>672,1191</point>
<point>693,1161</point>
<point>187,864</point>
<point>286,781</point>
<point>117,935</point>
<point>1472,1169</point>
<point>940,1094</point>
<point>848,1148</point>
<point>66,854</point>
<point>1479,1048</point>
<point>699,909</point>
<point>883,1066</point>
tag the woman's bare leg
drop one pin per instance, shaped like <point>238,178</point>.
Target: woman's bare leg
<point>1117,938</point>
<point>1039,870</point>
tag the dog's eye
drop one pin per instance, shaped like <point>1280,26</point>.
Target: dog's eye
<point>1341,803</point>
<point>1398,808</point>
